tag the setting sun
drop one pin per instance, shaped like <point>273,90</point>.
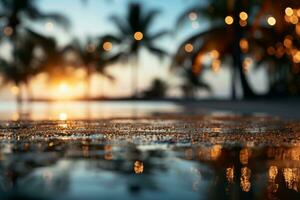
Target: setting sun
<point>63,88</point>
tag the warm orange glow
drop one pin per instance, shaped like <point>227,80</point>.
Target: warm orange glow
<point>15,90</point>
<point>65,91</point>
<point>271,21</point>
<point>138,36</point>
<point>215,152</point>
<point>214,54</point>
<point>8,31</point>
<point>298,29</point>
<point>63,88</point>
<point>271,50</point>
<point>288,42</point>
<point>15,116</point>
<point>244,156</point>
<point>188,47</point>
<point>230,174</point>
<point>273,171</point>
<point>244,45</point>
<point>243,23</point>
<point>138,167</point>
<point>216,65</point>
<point>296,57</point>
<point>246,64</point>
<point>245,179</point>
<point>289,11</point>
<point>63,116</point>
<point>243,16</point>
<point>229,20</point>
<point>294,19</point>
<point>107,46</point>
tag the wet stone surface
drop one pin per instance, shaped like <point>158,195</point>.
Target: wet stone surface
<point>165,157</point>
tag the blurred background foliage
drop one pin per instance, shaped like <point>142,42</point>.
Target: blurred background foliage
<point>240,34</point>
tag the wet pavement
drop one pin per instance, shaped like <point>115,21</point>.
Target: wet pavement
<point>155,157</point>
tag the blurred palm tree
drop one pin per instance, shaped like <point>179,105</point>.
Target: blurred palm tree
<point>54,61</point>
<point>92,56</point>
<point>279,44</point>
<point>27,65</point>
<point>192,83</point>
<point>13,15</point>
<point>213,40</point>
<point>134,33</point>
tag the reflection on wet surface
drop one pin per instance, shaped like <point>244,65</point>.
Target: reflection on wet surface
<point>200,157</point>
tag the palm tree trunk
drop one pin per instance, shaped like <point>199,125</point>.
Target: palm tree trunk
<point>29,92</point>
<point>134,83</point>
<point>88,84</point>
<point>237,53</point>
<point>19,94</point>
<point>233,84</point>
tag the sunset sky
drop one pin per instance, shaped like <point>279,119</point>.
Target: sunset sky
<point>91,18</point>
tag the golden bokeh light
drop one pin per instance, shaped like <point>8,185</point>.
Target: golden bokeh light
<point>243,23</point>
<point>271,21</point>
<point>289,11</point>
<point>107,46</point>
<point>216,65</point>
<point>273,171</point>
<point>214,54</point>
<point>189,48</point>
<point>15,116</point>
<point>244,45</point>
<point>62,116</point>
<point>294,19</point>
<point>63,88</point>
<point>296,57</point>
<point>288,42</point>
<point>138,167</point>
<point>297,29</point>
<point>14,90</point>
<point>228,20</point>
<point>138,36</point>
<point>8,31</point>
<point>230,174</point>
<point>243,16</point>
<point>245,179</point>
<point>215,152</point>
<point>298,12</point>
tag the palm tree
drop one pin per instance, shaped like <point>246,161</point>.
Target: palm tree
<point>14,14</point>
<point>27,65</point>
<point>278,45</point>
<point>213,39</point>
<point>133,35</point>
<point>92,57</point>
<point>53,57</point>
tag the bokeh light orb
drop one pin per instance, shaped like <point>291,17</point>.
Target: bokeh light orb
<point>107,46</point>
<point>138,36</point>
<point>243,16</point>
<point>189,48</point>
<point>228,20</point>
<point>271,20</point>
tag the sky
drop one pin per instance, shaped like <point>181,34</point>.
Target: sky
<point>90,18</point>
